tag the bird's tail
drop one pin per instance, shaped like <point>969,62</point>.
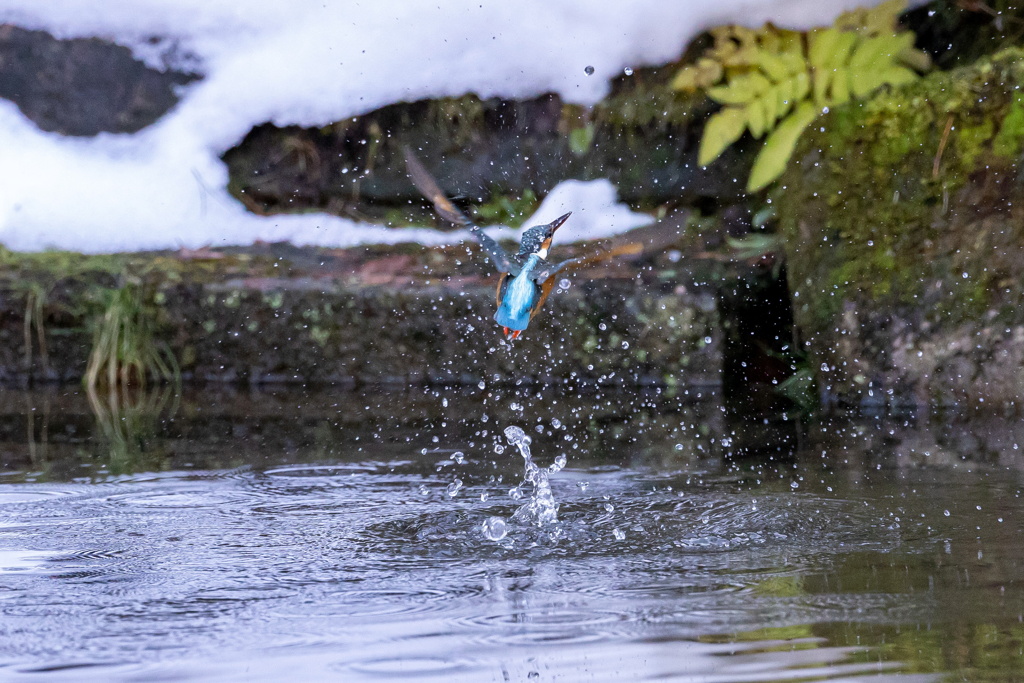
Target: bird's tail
<point>426,184</point>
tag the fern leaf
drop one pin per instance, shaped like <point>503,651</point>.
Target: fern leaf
<point>721,130</point>
<point>918,60</point>
<point>779,146</point>
<point>821,45</point>
<point>788,93</point>
<point>772,65</point>
<point>801,86</point>
<point>841,86</point>
<point>879,49</point>
<point>770,106</point>
<point>784,98</point>
<point>757,117</point>
<point>795,61</point>
<point>864,82</point>
<point>704,74</point>
<point>822,79</point>
<point>741,89</point>
<point>829,50</point>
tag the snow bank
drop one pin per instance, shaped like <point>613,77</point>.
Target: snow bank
<point>310,62</point>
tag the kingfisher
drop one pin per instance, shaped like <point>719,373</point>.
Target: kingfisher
<point>527,277</point>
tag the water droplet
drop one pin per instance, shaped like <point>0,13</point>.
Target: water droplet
<point>459,457</point>
<point>515,493</point>
<point>558,464</point>
<point>454,488</point>
<point>589,70</point>
<point>514,434</point>
<point>582,485</point>
<point>499,449</point>
<point>565,283</point>
<point>628,71</point>
<point>482,385</point>
<point>608,507</point>
<point>444,402</point>
<point>619,534</point>
<point>556,423</point>
<point>494,528</point>
<point>794,485</point>
<point>625,344</point>
<point>824,367</point>
<point>602,327</point>
<point>484,496</point>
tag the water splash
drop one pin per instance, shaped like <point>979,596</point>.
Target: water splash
<point>541,509</point>
<point>494,528</point>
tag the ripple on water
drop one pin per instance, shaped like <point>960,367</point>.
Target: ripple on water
<point>24,561</point>
<point>699,525</point>
<point>552,626</point>
<point>385,601</point>
<point>186,499</point>
<point>30,494</point>
<point>413,667</point>
<point>337,470</point>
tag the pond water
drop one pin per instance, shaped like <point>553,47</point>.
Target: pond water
<point>322,536</point>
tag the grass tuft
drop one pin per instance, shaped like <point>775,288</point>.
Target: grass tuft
<point>125,349</point>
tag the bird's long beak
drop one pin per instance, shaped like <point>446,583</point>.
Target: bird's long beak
<point>556,224</point>
<point>549,233</point>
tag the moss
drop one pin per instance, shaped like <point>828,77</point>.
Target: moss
<point>1010,139</point>
<point>902,208</point>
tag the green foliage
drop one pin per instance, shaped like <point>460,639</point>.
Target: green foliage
<point>506,210</point>
<point>1010,138</point>
<point>581,139</point>
<point>776,81</point>
<point>35,302</point>
<point>125,350</point>
<point>801,388</point>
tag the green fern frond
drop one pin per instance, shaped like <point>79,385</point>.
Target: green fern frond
<point>775,82</point>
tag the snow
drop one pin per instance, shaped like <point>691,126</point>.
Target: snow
<point>311,62</point>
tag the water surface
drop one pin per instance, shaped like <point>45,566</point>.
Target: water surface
<point>318,536</point>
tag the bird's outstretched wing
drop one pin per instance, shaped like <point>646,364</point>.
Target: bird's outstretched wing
<point>426,184</point>
<point>542,275</point>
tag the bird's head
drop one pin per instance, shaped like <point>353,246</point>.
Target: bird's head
<point>537,240</point>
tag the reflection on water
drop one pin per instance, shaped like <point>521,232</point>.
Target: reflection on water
<point>291,536</point>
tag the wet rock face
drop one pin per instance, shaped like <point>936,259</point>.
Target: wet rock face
<point>82,86</point>
<point>904,220</point>
<point>307,331</point>
<point>644,137</point>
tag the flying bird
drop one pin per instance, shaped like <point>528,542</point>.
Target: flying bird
<point>527,277</point>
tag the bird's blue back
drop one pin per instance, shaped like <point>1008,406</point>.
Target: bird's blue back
<point>520,296</point>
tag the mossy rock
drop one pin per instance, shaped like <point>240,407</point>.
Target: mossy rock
<point>904,219</point>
